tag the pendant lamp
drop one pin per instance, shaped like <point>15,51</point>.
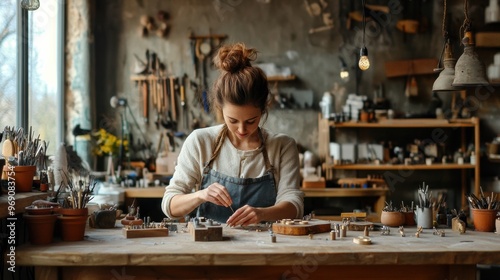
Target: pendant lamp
<point>469,70</point>
<point>444,82</point>
<point>447,75</point>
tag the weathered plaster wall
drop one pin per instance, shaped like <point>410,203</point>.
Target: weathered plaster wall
<point>280,31</point>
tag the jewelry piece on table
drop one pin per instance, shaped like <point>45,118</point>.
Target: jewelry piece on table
<point>438,232</point>
<point>419,230</point>
<point>402,231</point>
<point>333,235</point>
<point>386,230</point>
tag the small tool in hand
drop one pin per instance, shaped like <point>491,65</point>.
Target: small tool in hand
<point>231,208</point>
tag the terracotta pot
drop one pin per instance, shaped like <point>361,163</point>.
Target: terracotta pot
<point>33,210</point>
<point>409,218</point>
<point>23,176</point>
<point>40,228</point>
<point>73,211</point>
<point>72,227</point>
<point>484,219</point>
<point>392,219</point>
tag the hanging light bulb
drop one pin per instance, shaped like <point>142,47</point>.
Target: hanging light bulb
<point>344,72</point>
<point>364,62</point>
<point>469,70</point>
<point>30,4</point>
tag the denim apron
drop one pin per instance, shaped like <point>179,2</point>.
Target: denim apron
<point>255,192</point>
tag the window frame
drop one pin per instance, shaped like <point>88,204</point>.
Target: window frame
<point>22,101</point>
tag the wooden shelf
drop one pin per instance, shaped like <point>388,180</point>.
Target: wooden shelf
<point>437,166</point>
<point>22,200</point>
<point>488,39</point>
<point>281,78</point>
<point>408,123</point>
<point>344,192</point>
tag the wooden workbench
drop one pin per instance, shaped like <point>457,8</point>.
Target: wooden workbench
<point>250,254</point>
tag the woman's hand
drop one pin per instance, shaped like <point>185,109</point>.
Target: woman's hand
<point>245,216</point>
<point>217,194</point>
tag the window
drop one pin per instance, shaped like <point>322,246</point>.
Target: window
<point>43,68</point>
<point>8,63</point>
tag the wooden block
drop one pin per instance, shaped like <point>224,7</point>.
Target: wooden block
<point>402,68</point>
<point>145,232</point>
<point>205,232</point>
<point>314,184</point>
<point>298,228</point>
<point>357,215</point>
<point>359,226</point>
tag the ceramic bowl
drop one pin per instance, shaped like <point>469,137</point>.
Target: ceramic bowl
<point>392,219</point>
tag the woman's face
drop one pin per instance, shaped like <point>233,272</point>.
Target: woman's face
<point>242,121</point>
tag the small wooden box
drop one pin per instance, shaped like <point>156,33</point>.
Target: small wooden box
<point>145,232</point>
<point>314,184</point>
<point>205,232</point>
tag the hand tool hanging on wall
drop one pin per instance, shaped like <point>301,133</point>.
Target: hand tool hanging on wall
<point>184,80</point>
<point>194,58</point>
<point>202,51</point>
<point>173,108</point>
<point>143,87</point>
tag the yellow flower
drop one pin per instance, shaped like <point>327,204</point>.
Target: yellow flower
<point>106,143</point>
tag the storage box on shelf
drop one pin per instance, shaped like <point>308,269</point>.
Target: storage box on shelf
<point>463,125</point>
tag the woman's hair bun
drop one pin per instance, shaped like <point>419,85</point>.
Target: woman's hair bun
<point>233,58</point>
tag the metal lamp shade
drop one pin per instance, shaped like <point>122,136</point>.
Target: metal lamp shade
<point>445,80</point>
<point>469,70</point>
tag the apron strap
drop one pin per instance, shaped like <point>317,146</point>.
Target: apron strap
<point>218,145</point>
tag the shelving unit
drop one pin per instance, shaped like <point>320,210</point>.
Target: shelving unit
<point>325,125</point>
<point>380,193</point>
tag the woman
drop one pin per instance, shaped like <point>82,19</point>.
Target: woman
<point>242,173</point>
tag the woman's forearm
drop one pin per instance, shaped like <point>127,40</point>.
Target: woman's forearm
<point>183,204</point>
<point>282,210</point>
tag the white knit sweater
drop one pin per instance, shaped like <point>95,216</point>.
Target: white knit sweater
<point>197,150</point>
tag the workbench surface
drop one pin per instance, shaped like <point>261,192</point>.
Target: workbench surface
<point>251,247</point>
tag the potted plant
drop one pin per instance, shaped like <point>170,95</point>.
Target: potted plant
<point>108,146</point>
